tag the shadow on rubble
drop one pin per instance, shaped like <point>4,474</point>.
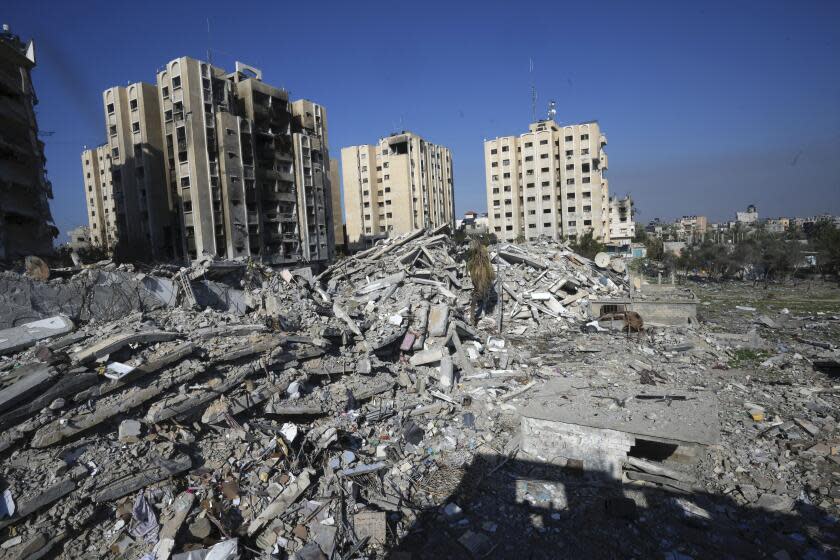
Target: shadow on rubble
<point>531,510</point>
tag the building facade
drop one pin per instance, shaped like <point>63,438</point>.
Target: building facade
<point>103,206</point>
<point>398,185</point>
<point>622,226</point>
<point>337,216</point>
<point>548,182</point>
<point>207,162</point>
<point>26,224</point>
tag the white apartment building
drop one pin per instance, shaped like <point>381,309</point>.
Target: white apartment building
<point>548,182</point>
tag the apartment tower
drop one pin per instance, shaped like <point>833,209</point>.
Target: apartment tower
<point>548,182</point>
<point>398,185</point>
<point>207,162</point>
<point>26,224</point>
<point>135,142</point>
<point>103,206</point>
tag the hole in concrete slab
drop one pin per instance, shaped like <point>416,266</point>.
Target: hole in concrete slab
<point>652,450</point>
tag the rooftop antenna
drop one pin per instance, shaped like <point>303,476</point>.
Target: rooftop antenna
<point>209,56</point>
<point>533,91</point>
<point>552,110</point>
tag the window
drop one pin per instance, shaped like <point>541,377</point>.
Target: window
<point>506,162</point>
<point>570,196</point>
<point>570,209</point>
<point>506,175</point>
<point>569,138</point>
<point>547,224</point>
<point>115,153</point>
<point>494,178</point>
<point>168,115</point>
<point>529,158</point>
<point>494,164</point>
<point>532,199</point>
<point>570,167</point>
<point>546,183</point>
<point>587,208</point>
<point>584,151</point>
<point>543,156</point>
<point>586,179</point>
<point>543,142</point>
<point>584,137</point>
<point>113,129</point>
<point>569,153</point>
<point>544,170</point>
<point>547,211</point>
<point>133,104</point>
<point>176,82</point>
<point>587,222</point>
<point>385,164</point>
<point>494,151</point>
<point>110,108</point>
<point>528,144</point>
<point>364,168</point>
<point>135,127</point>
<point>187,206</point>
<point>165,92</point>
<point>185,181</point>
<point>505,148</point>
<point>570,181</point>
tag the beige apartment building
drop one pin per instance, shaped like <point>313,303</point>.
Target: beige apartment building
<point>135,142</point>
<point>207,162</point>
<point>398,185</point>
<point>103,206</point>
<point>548,182</point>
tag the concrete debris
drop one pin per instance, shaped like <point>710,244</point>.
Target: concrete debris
<point>228,410</point>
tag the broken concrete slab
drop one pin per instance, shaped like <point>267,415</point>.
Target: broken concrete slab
<point>23,336</point>
<point>114,343</point>
<point>438,320</point>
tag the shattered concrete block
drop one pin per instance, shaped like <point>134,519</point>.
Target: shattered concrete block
<point>438,319</point>
<point>129,431</point>
<point>426,357</point>
<point>447,373</point>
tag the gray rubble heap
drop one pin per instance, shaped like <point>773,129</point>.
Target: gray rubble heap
<point>229,410</point>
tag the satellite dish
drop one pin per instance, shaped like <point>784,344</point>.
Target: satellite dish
<point>618,265</point>
<point>602,260</point>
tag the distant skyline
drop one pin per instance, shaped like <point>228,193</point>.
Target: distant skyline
<point>707,107</point>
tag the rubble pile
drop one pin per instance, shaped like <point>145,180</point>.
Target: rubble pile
<point>233,411</point>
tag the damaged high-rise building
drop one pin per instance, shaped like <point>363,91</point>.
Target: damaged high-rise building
<point>401,184</point>
<point>207,162</point>
<point>26,224</point>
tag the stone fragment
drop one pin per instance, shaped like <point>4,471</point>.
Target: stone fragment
<point>129,431</point>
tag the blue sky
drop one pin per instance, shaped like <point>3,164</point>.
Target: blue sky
<point>707,106</point>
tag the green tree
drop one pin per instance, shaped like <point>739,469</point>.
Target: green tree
<point>825,241</point>
<point>587,246</point>
<point>655,248</point>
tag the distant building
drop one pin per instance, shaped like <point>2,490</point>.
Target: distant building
<point>749,217</point>
<point>474,223</point>
<point>398,185</point>
<point>674,247</point>
<point>103,204</point>
<point>622,226</point>
<point>638,250</point>
<point>26,224</point>
<point>79,238</point>
<point>548,182</point>
<point>777,225</point>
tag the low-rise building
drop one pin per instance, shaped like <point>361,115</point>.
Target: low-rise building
<point>750,217</point>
